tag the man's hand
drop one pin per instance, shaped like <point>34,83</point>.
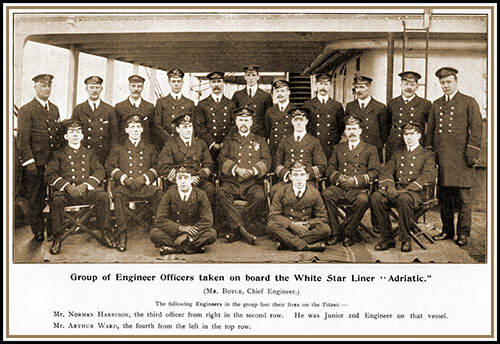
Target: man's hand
<point>81,189</point>
<point>248,173</point>
<point>216,146</point>
<point>298,228</point>
<point>392,193</point>
<point>135,184</point>
<point>128,182</point>
<point>348,183</point>
<point>190,230</point>
<point>31,169</point>
<point>196,180</point>
<point>471,162</point>
<point>141,180</point>
<point>71,190</point>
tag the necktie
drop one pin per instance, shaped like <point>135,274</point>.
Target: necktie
<point>95,107</point>
<point>250,93</point>
<point>406,101</point>
<point>297,139</point>
<point>135,105</point>
<point>47,106</point>
<point>447,99</point>
<point>185,198</point>
<point>187,143</point>
<point>362,105</point>
<point>299,194</point>
<point>351,147</point>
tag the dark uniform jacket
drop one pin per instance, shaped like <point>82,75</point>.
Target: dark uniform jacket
<point>376,125</point>
<point>177,154</point>
<point>286,208</point>
<point>362,163</point>
<point>455,131</point>
<point>259,103</point>
<point>134,162</point>
<point>278,125</point>
<point>166,109</point>
<point>74,167</point>
<point>145,110</point>
<point>417,110</point>
<point>246,152</point>
<point>100,129</point>
<point>409,170</point>
<point>173,212</point>
<point>39,132</point>
<point>307,151</point>
<point>213,120</point>
<point>326,122</point>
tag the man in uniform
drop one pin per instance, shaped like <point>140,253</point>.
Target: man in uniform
<point>100,129</point>
<point>407,107</point>
<point>133,167</point>
<point>213,116</point>
<point>169,107</point>
<point>401,182</point>
<point>39,134</point>
<point>244,160</point>
<point>254,98</point>
<point>75,172</point>
<point>376,124</point>
<point>298,218</point>
<point>298,146</point>
<point>327,115</point>
<point>187,150</point>
<point>352,166</point>
<point>454,132</point>
<point>278,120</point>
<point>135,104</point>
<point>184,219</point>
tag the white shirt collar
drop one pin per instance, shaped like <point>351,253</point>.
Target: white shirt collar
<point>323,99</point>
<point>75,147</point>
<point>42,102</point>
<point>353,144</point>
<point>135,102</point>
<point>176,96</point>
<point>188,141</point>
<point>282,106</point>
<point>450,97</point>
<point>135,142</point>
<point>244,134</point>
<point>296,190</point>
<point>364,101</point>
<point>413,148</point>
<point>300,135</point>
<point>253,88</point>
<point>97,103</point>
<point>217,98</point>
<point>408,99</point>
<point>183,194</point>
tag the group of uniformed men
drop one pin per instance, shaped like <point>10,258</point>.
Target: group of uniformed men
<point>243,139</point>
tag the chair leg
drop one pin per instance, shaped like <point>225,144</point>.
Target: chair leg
<point>78,224</point>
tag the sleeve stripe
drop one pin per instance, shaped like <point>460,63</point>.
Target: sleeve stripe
<point>154,172</point>
<point>471,146</point>
<point>420,186</point>
<point>171,175</point>
<point>262,166</point>
<point>316,171</point>
<point>386,180</point>
<point>61,189</point>
<point>279,168</point>
<point>98,181</point>
<point>114,171</point>
<point>226,166</point>
<point>55,181</point>
<point>367,178</point>
<point>206,170</point>
<point>28,162</point>
<point>356,180</point>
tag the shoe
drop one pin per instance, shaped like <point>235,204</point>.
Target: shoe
<point>442,236</point>
<point>347,242</point>
<point>406,246</point>
<point>200,250</point>
<point>39,236</point>
<point>316,247</point>
<point>122,242</point>
<point>106,240</point>
<point>180,240</point>
<point>385,245</point>
<point>462,240</point>
<point>280,247</point>
<point>334,240</point>
<point>249,238</point>
<point>56,245</point>
<point>232,237</point>
<point>164,250</point>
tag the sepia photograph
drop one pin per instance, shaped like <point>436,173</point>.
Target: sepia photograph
<point>248,147</point>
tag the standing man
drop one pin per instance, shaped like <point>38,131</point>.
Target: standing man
<point>133,167</point>
<point>184,221</point>
<point>100,129</point>
<point>75,172</point>
<point>352,166</point>
<point>401,184</point>
<point>327,115</point>
<point>376,124</point>
<point>278,120</point>
<point>169,107</point>
<point>298,146</point>
<point>407,107</point>
<point>39,133</point>
<point>135,104</point>
<point>213,116</point>
<point>244,160</point>
<point>254,98</point>
<point>298,218</point>
<point>454,132</point>
<point>186,150</point>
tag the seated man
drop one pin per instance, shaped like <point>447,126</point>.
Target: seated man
<point>133,167</point>
<point>298,218</point>
<point>401,184</point>
<point>75,172</point>
<point>185,149</point>
<point>298,146</point>
<point>184,219</point>
<point>244,159</point>
<point>352,166</point>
